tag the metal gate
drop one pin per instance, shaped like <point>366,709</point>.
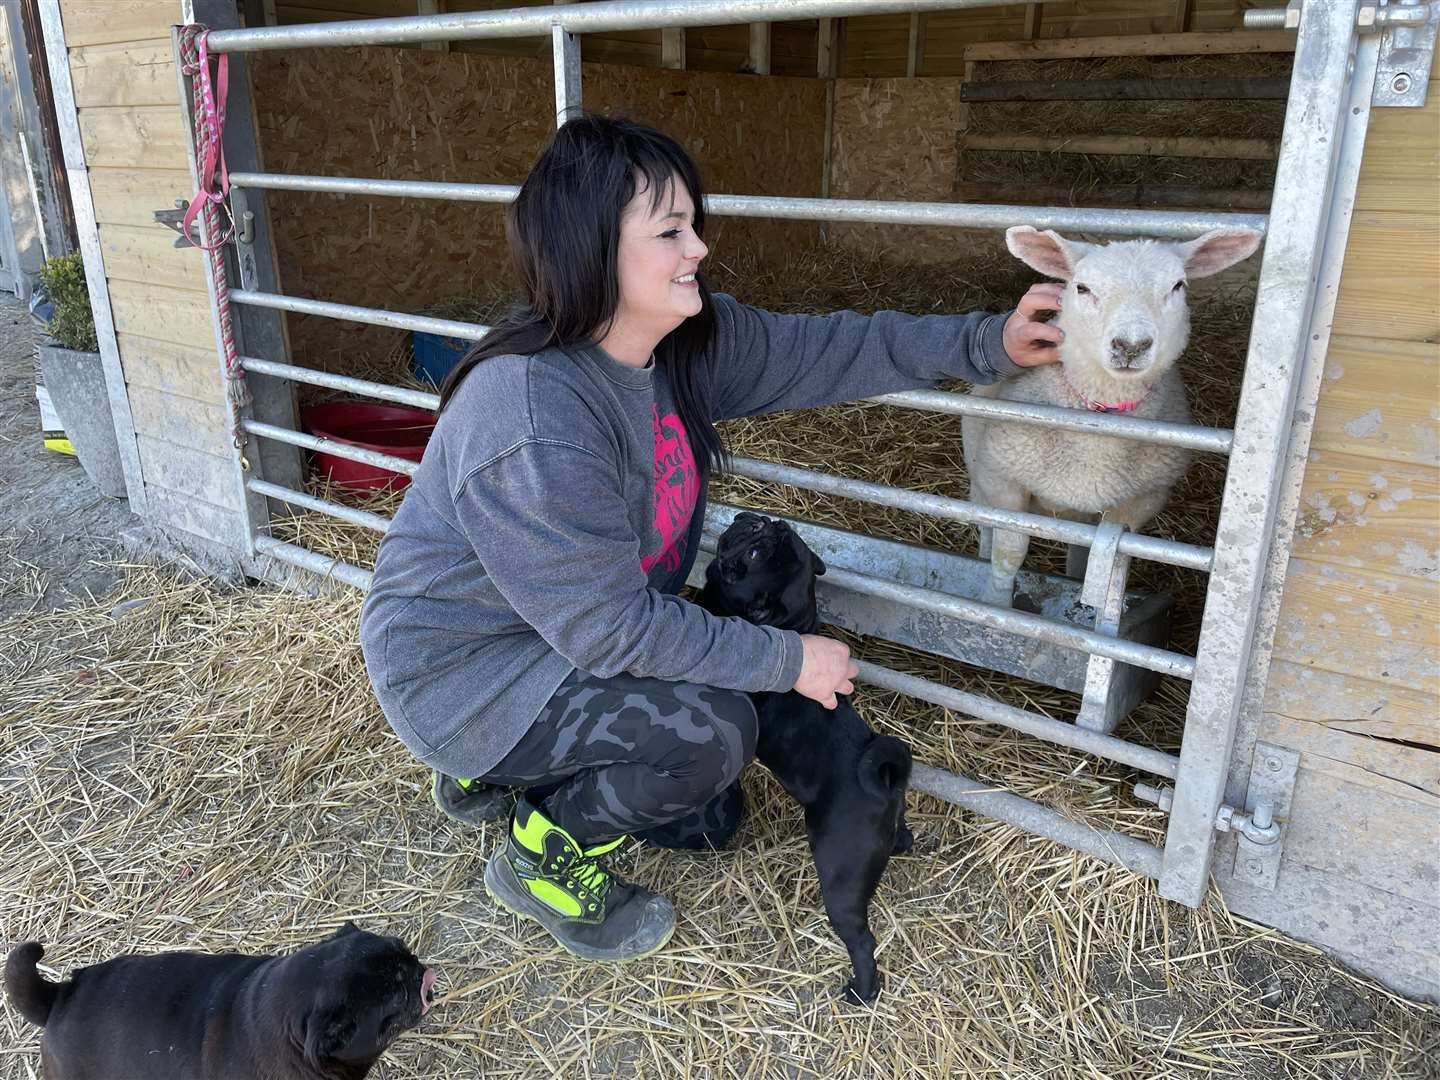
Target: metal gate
<point>1326,119</point>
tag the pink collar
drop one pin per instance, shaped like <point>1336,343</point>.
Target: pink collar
<point>1106,406</point>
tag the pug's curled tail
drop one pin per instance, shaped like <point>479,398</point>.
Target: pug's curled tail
<point>28,990</point>
<point>885,767</point>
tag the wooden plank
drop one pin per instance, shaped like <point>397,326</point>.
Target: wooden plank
<point>182,370</point>
<point>1248,89</point>
<point>1404,142</point>
<point>1237,41</point>
<point>1369,406</point>
<point>134,73</point>
<point>672,49</point>
<point>100,22</point>
<point>1391,277</point>
<point>164,313</point>
<point>1405,772</point>
<point>432,7</point>
<point>915,53</point>
<point>180,420</point>
<point>144,137</point>
<point>148,255</point>
<point>186,470</point>
<point>131,196</point>
<point>1141,145</point>
<point>1365,514</point>
<point>193,514</point>
<point>1349,703</point>
<point>1143,196</point>
<point>1354,622</point>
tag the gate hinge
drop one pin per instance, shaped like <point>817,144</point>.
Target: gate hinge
<point>1260,828</point>
<point>1407,43</point>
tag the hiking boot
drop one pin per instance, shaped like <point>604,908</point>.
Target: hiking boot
<point>543,874</point>
<point>471,802</point>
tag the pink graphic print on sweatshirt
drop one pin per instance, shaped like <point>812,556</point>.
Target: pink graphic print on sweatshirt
<point>677,487</point>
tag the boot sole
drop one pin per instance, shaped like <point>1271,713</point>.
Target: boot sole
<point>498,808</point>
<point>520,908</point>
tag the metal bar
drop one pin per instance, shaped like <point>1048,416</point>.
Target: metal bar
<point>1170,552</point>
<point>578,18</point>
<point>365,518</point>
<point>1028,723</point>
<point>1290,320</point>
<point>418,398</point>
<point>1162,432</point>
<point>1106,844</point>
<point>760,48</point>
<point>370,316</point>
<point>324,565</point>
<point>1023,623</point>
<point>332,446</point>
<point>77,178</point>
<point>1173,224</point>
<point>565,47</point>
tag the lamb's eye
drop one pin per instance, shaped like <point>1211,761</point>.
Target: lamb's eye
<point>1179,287</point>
<point>1083,290</point>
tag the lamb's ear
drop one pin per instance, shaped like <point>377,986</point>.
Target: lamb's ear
<point>1048,251</point>
<point>1217,250</point>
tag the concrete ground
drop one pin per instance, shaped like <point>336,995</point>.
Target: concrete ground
<point>60,539</point>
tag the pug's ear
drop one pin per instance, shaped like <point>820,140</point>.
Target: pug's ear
<point>817,564</point>
<point>347,927</point>
<point>327,1032</point>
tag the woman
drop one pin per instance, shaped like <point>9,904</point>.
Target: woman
<point>523,629</point>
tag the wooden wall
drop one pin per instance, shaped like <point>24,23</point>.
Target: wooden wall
<point>130,122</point>
<point>1355,681</point>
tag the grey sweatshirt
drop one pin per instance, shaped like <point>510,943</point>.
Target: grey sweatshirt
<point>557,509</point>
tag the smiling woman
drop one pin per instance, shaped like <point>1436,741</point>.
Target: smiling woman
<point>523,629</point>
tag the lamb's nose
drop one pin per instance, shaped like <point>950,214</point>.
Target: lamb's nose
<point>1131,350</point>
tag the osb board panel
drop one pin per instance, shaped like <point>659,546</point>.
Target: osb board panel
<point>176,369</point>
<point>409,114</point>
<point>147,254</point>
<point>1370,625</point>
<point>1379,400</point>
<point>1406,772</point>
<point>98,22</point>
<point>180,420</point>
<point>163,313</point>
<point>1391,277</point>
<point>142,137</point>
<point>1371,515</point>
<point>1378,710</point>
<point>131,196</point>
<point>186,470</point>
<point>869,161</point>
<point>134,73</point>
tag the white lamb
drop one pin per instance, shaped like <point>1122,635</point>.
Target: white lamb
<point>1126,321</point>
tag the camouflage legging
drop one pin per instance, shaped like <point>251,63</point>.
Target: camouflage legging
<point>659,760</point>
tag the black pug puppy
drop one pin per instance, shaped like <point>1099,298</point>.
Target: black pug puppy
<point>329,1011</point>
<point>850,781</point>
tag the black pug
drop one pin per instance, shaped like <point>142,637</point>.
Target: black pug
<point>327,1011</point>
<point>850,781</point>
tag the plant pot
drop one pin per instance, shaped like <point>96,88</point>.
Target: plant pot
<point>76,384</point>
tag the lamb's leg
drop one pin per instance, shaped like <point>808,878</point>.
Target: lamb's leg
<point>1137,512</point>
<point>1007,549</point>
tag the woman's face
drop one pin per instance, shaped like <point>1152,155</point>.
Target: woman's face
<point>657,258</point>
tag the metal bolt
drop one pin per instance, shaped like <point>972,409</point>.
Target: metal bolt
<point>1263,815</point>
<point>1274,764</point>
<point>1400,83</point>
<point>1365,17</point>
<point>1253,867</point>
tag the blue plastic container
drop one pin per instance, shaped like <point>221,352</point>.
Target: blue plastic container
<point>436,355</point>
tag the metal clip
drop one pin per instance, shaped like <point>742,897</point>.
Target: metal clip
<point>1258,827</point>
<point>175,220</point>
<point>1407,50</point>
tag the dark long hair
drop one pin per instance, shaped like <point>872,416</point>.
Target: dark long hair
<point>564,233</point>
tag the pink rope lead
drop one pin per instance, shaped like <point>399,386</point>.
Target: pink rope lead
<point>209,104</point>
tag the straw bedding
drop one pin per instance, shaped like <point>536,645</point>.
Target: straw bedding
<point>207,769</point>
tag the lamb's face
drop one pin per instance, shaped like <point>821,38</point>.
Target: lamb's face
<point>1125,310</point>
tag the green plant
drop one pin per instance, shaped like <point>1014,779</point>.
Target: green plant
<point>73,326</point>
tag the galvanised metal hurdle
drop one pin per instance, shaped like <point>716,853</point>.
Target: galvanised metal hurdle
<point>1327,116</point>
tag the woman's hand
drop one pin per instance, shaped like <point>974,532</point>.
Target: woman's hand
<point>826,670</point>
<point>1032,343</point>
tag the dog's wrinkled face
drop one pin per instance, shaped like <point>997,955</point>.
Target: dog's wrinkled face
<point>763,572</point>
<point>368,989</point>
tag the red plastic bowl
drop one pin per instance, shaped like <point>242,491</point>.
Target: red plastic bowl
<point>389,429</point>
